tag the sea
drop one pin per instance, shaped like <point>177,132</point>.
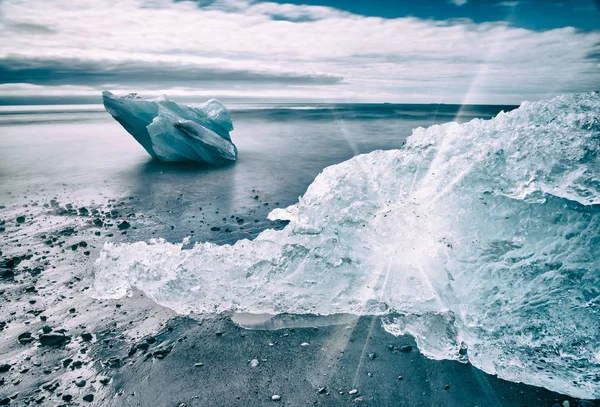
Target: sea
<point>79,155</point>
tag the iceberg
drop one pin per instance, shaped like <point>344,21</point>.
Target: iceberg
<point>171,131</point>
<point>481,240</point>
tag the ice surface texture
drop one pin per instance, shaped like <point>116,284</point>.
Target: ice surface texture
<point>482,240</point>
<point>172,131</point>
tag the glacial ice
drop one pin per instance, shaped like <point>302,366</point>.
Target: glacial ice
<point>172,131</point>
<point>482,240</point>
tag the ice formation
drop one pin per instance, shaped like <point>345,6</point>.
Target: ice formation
<point>482,240</point>
<point>172,131</point>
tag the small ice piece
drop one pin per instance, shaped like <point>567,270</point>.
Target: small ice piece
<point>254,363</point>
<point>352,392</point>
<point>175,132</point>
<point>275,397</point>
<point>304,344</point>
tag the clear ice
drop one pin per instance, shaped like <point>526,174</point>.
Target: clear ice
<point>482,240</point>
<point>171,131</point>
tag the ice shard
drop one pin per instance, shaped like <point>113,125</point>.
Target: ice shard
<point>482,240</point>
<point>171,131</point>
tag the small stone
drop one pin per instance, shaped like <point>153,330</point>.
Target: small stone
<point>4,368</point>
<point>124,225</point>
<point>406,348</point>
<point>400,377</point>
<point>20,219</point>
<point>372,355</point>
<point>5,401</point>
<point>25,338</point>
<point>67,397</point>
<point>275,397</point>
<point>86,336</point>
<point>53,339</point>
<point>199,364</point>
<point>114,362</point>
<point>446,387</point>
<point>80,383</point>
<point>88,397</point>
<point>322,390</point>
<point>46,329</point>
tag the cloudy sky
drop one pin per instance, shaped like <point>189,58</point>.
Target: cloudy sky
<point>449,51</point>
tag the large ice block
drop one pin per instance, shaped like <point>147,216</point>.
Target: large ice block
<point>171,131</point>
<point>482,240</point>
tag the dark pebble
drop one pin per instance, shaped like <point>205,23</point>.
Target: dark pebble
<point>25,338</point>
<point>53,339</point>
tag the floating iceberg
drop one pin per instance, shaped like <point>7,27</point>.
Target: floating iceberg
<point>482,240</point>
<point>172,131</point>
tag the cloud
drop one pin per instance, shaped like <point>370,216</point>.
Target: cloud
<point>74,71</point>
<point>507,4</point>
<point>458,2</point>
<point>239,48</point>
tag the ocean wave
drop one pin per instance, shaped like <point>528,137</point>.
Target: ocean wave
<point>482,240</point>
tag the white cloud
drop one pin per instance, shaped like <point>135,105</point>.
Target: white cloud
<point>404,59</point>
<point>458,2</point>
<point>507,4</point>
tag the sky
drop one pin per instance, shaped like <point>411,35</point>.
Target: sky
<point>373,51</point>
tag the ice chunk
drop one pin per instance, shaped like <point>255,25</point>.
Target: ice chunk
<point>482,240</point>
<point>172,131</point>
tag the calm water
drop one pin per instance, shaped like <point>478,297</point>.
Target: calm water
<point>79,154</point>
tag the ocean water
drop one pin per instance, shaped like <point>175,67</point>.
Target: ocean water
<point>80,154</point>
